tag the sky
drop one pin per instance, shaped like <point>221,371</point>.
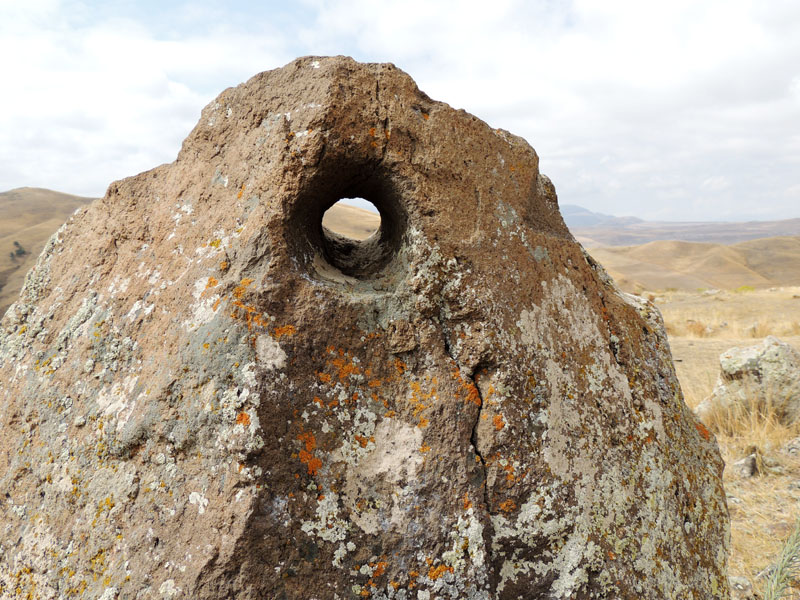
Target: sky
<point>683,110</point>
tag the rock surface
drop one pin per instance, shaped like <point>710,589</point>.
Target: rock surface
<point>767,374</point>
<point>741,589</point>
<point>205,395</point>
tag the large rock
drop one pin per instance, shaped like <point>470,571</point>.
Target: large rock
<point>764,377</point>
<point>206,395</point>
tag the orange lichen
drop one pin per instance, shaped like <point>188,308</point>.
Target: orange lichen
<point>380,568</point>
<point>498,422</point>
<point>306,455</point>
<point>400,366</point>
<point>249,314</point>
<point>243,419</point>
<point>424,448</point>
<point>412,575</point>
<point>425,116</point>
<point>345,367</point>
<point>242,288</point>
<point>701,429</point>
<point>420,400</point>
<point>467,502</point>
<point>223,266</point>
<point>611,555</point>
<point>285,330</point>
<point>468,389</point>
<point>362,441</point>
<point>241,191</point>
<point>324,377</point>
<point>372,132</point>
<point>508,505</point>
<point>435,572</point>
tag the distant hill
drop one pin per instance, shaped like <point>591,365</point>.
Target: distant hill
<point>596,229</point>
<point>578,217</point>
<point>660,265</point>
<point>28,216</point>
<point>352,221</point>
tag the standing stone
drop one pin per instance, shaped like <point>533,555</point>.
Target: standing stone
<point>207,395</point>
<point>764,377</point>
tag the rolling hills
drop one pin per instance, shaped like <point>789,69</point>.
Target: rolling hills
<point>660,265</point>
<point>28,216</point>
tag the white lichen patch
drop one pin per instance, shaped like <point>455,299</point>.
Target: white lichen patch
<point>204,308</point>
<point>269,352</point>
<point>199,500</point>
<point>327,526</point>
<point>168,589</point>
<point>118,400</point>
<point>118,286</point>
<point>467,541</point>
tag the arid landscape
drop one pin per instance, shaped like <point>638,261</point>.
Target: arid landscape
<point>28,216</point>
<point>713,297</point>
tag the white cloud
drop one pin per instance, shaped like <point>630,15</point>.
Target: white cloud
<point>634,107</point>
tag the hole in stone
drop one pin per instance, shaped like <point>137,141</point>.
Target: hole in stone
<point>367,236</point>
<point>353,218</point>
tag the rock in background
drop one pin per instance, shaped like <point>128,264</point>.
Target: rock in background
<point>207,395</point>
<point>764,377</point>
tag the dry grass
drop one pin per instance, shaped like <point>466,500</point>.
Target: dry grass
<point>763,509</point>
<point>752,314</point>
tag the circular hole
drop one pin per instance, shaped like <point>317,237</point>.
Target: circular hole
<point>353,218</point>
<point>348,222</point>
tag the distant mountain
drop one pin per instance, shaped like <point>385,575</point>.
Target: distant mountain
<point>576,216</point>
<point>596,229</point>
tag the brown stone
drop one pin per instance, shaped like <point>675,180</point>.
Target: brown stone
<point>206,395</point>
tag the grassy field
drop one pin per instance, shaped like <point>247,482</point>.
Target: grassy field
<point>702,325</point>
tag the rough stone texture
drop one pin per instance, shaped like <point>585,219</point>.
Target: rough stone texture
<point>204,395</point>
<point>767,374</point>
<point>741,589</point>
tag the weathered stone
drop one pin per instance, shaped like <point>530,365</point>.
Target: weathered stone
<point>746,467</point>
<point>741,589</point>
<point>764,377</point>
<point>206,395</point>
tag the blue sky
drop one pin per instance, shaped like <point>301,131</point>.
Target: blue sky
<point>677,110</point>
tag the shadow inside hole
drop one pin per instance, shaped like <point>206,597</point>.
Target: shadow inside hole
<point>369,259</point>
